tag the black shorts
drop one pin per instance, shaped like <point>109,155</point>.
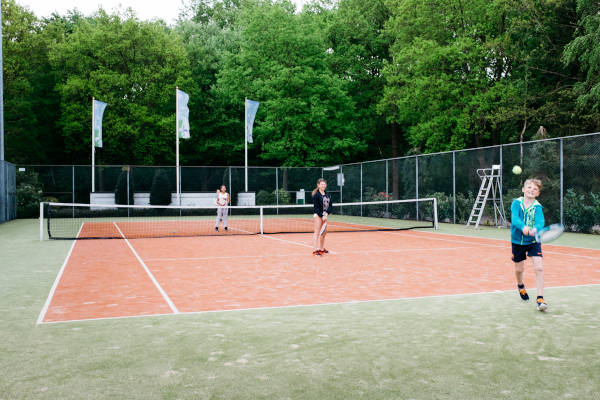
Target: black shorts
<point>522,251</point>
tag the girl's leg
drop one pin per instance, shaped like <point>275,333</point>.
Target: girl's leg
<point>218,217</point>
<point>225,213</point>
<point>322,240</point>
<point>317,228</point>
<point>538,267</point>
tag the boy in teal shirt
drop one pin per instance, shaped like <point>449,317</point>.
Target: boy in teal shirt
<point>527,219</point>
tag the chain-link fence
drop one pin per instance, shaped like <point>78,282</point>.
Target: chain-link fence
<point>569,168</point>
<point>8,192</point>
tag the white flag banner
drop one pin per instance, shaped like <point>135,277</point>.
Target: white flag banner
<point>183,115</point>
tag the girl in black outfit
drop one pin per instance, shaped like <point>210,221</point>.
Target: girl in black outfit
<point>322,208</point>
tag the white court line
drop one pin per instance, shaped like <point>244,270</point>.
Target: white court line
<point>58,277</point>
<point>316,304</point>
<point>304,254</point>
<point>282,240</point>
<point>499,240</point>
<point>152,278</point>
<point>498,246</point>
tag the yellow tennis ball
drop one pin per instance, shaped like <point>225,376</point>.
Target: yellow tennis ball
<point>517,170</point>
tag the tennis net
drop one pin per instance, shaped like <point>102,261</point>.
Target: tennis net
<point>99,221</point>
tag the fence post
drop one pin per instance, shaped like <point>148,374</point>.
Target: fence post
<point>417,183</point>
<point>41,221</point>
<point>277,187</point>
<point>230,188</point>
<point>386,188</point>
<point>454,187</point>
<point>73,188</point>
<point>561,182</point>
<point>342,186</point>
<point>361,188</point>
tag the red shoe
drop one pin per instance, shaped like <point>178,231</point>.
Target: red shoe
<point>317,253</point>
<point>325,251</point>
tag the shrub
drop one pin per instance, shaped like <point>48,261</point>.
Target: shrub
<point>121,189</point>
<point>29,195</point>
<point>581,212</point>
<point>284,196</point>
<point>160,192</point>
<point>265,198</point>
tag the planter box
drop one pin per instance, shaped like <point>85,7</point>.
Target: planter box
<point>192,199</point>
<point>102,198</point>
<point>246,199</point>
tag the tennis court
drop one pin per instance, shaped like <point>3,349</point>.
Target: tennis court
<point>172,275</point>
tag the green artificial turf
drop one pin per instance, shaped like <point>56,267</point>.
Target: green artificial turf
<point>484,346</point>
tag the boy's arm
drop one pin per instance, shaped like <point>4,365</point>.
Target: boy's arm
<point>515,220</point>
<point>540,222</point>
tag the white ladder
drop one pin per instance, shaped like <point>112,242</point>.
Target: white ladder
<point>490,183</point>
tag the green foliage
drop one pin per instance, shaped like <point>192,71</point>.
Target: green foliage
<point>284,196</point>
<point>584,52</point>
<point>265,198</point>
<point>133,66</point>
<point>371,194</point>
<point>121,189</point>
<point>160,192</point>
<point>340,81</point>
<point>29,195</point>
<point>582,212</point>
<point>305,116</point>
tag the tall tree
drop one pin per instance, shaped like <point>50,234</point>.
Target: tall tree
<point>583,51</point>
<point>359,49</point>
<point>305,116</point>
<point>133,66</point>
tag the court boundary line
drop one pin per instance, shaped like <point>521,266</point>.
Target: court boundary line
<point>508,242</point>
<point>281,240</point>
<point>301,254</point>
<point>502,240</point>
<point>311,305</point>
<point>152,278</point>
<point>46,306</point>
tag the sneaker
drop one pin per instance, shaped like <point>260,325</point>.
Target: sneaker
<point>216,229</point>
<point>324,251</point>
<point>541,304</point>
<point>523,293</point>
<point>226,229</point>
<point>317,253</point>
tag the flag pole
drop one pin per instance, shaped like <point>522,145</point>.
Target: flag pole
<point>177,141</point>
<point>246,144</point>
<point>93,150</point>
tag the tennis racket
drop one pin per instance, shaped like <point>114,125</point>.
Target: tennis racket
<point>323,227</point>
<point>549,233</point>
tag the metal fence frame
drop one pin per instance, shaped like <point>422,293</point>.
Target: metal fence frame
<point>416,173</point>
<point>8,195</point>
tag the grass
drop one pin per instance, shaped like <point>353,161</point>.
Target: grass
<point>487,346</point>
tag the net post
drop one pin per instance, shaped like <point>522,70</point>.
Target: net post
<point>261,220</point>
<point>41,221</point>
<point>435,214</point>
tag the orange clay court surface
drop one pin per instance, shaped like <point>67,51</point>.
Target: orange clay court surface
<point>125,278</point>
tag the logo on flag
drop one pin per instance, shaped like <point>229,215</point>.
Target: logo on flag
<point>98,107</point>
<point>183,115</point>
<point>251,109</point>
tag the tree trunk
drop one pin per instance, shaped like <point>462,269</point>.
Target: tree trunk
<point>285,179</point>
